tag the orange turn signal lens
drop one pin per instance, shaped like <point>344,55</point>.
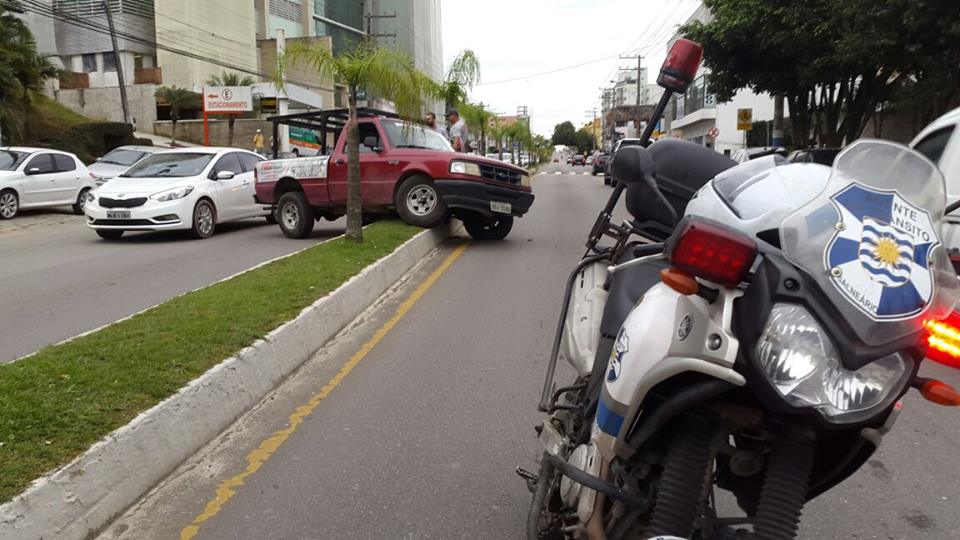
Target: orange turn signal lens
<point>679,281</point>
<point>940,393</point>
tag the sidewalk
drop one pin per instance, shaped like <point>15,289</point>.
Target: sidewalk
<point>161,141</point>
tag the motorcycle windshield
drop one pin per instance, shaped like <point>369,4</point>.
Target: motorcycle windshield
<point>871,240</point>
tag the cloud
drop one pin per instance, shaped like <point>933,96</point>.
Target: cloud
<point>517,38</point>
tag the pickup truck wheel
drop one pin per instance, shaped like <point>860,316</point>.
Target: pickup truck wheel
<point>295,215</point>
<point>419,203</point>
<point>484,228</point>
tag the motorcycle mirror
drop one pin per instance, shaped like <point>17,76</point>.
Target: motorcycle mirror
<point>633,164</point>
<point>681,65</point>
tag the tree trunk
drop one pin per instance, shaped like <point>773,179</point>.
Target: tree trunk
<point>354,195</point>
<point>173,130</point>
<point>483,138</point>
<point>500,147</point>
<point>230,131</point>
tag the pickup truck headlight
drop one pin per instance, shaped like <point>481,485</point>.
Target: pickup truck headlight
<point>802,364</point>
<point>464,167</point>
<point>172,194</point>
<point>525,180</point>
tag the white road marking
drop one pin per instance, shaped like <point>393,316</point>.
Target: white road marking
<point>557,172</point>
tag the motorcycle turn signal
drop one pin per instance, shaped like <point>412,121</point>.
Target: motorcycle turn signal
<point>937,392</point>
<point>686,284</point>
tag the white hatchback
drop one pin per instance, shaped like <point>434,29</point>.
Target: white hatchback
<point>41,178</point>
<point>189,188</point>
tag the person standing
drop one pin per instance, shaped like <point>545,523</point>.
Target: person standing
<point>258,141</point>
<point>458,131</point>
<point>431,121</point>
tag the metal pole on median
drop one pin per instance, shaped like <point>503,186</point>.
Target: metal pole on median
<point>116,56</point>
<point>282,104</point>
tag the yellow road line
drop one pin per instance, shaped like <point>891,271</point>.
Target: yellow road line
<point>228,488</point>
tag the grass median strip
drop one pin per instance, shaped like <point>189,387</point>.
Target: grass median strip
<point>57,403</point>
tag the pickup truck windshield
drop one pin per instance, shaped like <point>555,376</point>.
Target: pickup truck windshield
<point>172,165</point>
<point>409,135</point>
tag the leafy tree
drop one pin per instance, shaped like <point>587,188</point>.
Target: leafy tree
<point>464,72</point>
<point>178,99</point>
<point>230,79</point>
<point>386,72</point>
<point>477,118</point>
<point>832,60</point>
<point>22,70</point>
<point>564,133</point>
<point>585,140</point>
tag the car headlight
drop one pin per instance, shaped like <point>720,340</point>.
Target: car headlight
<point>801,362</point>
<point>464,167</point>
<point>525,180</point>
<point>172,194</point>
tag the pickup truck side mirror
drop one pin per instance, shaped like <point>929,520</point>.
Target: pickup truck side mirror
<point>372,143</point>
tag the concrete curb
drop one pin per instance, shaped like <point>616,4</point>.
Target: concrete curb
<point>78,500</point>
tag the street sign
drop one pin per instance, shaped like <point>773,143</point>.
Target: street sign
<point>713,133</point>
<point>744,119</point>
<point>225,99</point>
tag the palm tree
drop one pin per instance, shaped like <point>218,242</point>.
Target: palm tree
<point>386,72</point>
<point>230,79</point>
<point>478,118</point>
<point>177,98</point>
<point>464,72</point>
<point>497,130</point>
<point>22,69</point>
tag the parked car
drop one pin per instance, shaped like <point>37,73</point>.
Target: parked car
<point>940,141</point>
<point>823,156</point>
<point>569,160</point>
<point>746,154</point>
<point>191,189</point>
<point>118,160</point>
<point>607,178</point>
<point>599,163</point>
<point>41,178</point>
<point>578,159</point>
<point>404,168</point>
<point>589,160</point>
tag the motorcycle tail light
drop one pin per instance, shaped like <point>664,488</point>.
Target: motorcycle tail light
<point>713,252</point>
<point>943,340</point>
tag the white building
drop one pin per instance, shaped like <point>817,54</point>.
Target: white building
<point>692,115</point>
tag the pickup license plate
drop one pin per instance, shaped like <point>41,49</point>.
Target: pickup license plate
<point>118,214</point>
<point>501,207</point>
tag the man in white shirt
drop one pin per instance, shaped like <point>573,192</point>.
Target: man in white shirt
<point>458,131</point>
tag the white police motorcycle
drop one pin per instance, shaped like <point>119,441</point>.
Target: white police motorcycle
<point>758,346</point>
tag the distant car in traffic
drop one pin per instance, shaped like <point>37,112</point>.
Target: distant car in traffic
<point>578,159</point>
<point>823,156</point>
<point>191,189</point>
<point>746,154</point>
<point>41,178</point>
<point>118,160</point>
<point>599,163</point>
<point>589,160</point>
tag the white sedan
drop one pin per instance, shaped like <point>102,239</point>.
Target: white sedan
<point>185,189</point>
<point>41,178</point>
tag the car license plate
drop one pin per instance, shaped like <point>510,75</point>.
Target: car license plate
<point>501,207</point>
<point>118,214</point>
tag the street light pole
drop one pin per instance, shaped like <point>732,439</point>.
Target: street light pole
<point>116,57</point>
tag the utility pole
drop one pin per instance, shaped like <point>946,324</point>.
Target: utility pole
<point>778,121</point>
<point>116,56</point>
<point>639,89</point>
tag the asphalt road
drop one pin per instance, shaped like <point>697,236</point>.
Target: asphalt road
<point>59,279</point>
<point>420,440</point>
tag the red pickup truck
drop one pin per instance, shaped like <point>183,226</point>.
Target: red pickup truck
<point>404,168</point>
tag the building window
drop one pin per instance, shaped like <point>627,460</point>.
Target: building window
<point>89,63</point>
<point>286,9</point>
<point>138,61</point>
<point>109,61</point>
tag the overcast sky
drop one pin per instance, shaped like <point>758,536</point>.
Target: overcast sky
<point>517,39</point>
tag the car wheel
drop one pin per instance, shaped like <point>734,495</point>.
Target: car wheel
<point>295,215</point>
<point>110,234</point>
<point>606,180</point>
<point>81,201</point>
<point>204,220</point>
<point>484,228</point>
<point>419,203</point>
<point>9,204</point>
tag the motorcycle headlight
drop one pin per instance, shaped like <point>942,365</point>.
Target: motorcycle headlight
<point>464,167</point>
<point>801,362</point>
<point>172,194</point>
